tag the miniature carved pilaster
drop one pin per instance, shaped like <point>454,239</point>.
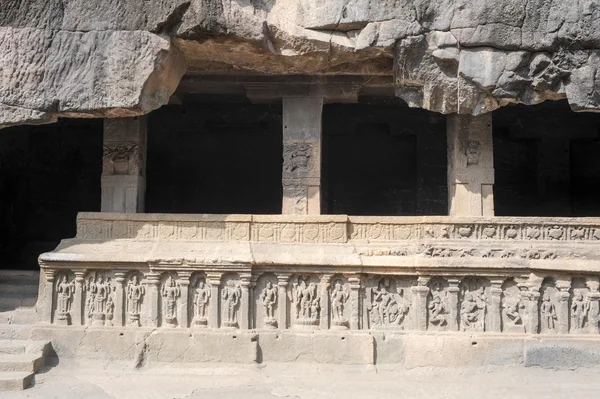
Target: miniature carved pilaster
<point>184,312</point>
<point>302,155</point>
<point>119,315</point>
<point>453,291</point>
<point>420,293</point>
<point>153,292</point>
<point>496,305</point>
<point>470,165</point>
<point>49,303</point>
<point>325,302</point>
<point>245,302</point>
<point>123,165</point>
<point>593,284</point>
<point>354,282</point>
<point>562,308</point>
<point>78,316</point>
<point>214,279</point>
<point>530,296</point>
<point>252,299</point>
<point>282,284</point>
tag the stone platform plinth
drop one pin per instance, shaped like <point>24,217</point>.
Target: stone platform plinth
<point>328,288</point>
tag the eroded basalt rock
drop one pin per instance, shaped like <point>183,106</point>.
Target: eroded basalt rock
<point>123,58</point>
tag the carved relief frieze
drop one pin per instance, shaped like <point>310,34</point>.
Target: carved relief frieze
<point>99,300</point>
<point>231,296</point>
<point>580,306</point>
<point>135,293</point>
<point>64,293</point>
<point>305,297</point>
<point>432,251</point>
<point>267,301</point>
<point>473,304</point>
<point>388,303</point>
<point>439,306</point>
<point>512,308</point>
<point>121,159</point>
<point>200,294</point>
<point>339,296</point>
<point>170,292</point>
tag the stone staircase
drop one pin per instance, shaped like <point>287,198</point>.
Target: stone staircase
<point>19,361</point>
<point>18,295</point>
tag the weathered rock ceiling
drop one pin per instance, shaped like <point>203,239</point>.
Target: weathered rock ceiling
<point>109,58</point>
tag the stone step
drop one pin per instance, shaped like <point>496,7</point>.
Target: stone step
<point>15,363</point>
<point>13,347</point>
<point>16,381</point>
<point>19,289</point>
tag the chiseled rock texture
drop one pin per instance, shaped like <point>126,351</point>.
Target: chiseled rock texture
<point>125,57</point>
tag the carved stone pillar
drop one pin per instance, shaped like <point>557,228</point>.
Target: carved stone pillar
<point>214,279</point>
<point>593,283</point>
<point>119,316</point>
<point>253,310</point>
<point>495,306</point>
<point>77,314</point>
<point>49,303</point>
<point>184,299</point>
<point>533,307</point>
<point>325,302</point>
<point>562,307</point>
<point>153,300</point>
<point>420,292</point>
<point>354,307</point>
<point>124,164</point>
<point>470,165</point>
<point>302,155</point>
<point>245,302</point>
<point>453,290</point>
<point>282,300</point>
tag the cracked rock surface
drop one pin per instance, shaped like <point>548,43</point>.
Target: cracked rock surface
<point>112,58</point>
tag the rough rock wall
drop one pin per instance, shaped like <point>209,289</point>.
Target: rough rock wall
<point>125,57</point>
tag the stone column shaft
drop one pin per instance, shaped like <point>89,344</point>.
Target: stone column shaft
<point>282,301</point>
<point>562,307</point>
<point>49,303</point>
<point>453,291</point>
<point>495,306</point>
<point>153,299</point>
<point>119,316</point>
<point>354,318</point>
<point>214,279</point>
<point>124,164</point>
<point>244,319</point>
<point>325,303</point>
<point>420,293</point>
<point>302,132</point>
<point>77,314</point>
<point>470,165</point>
<point>184,313</point>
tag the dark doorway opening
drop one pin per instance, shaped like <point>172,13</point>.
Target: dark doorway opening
<point>215,154</point>
<point>383,158</point>
<point>546,162</point>
<point>48,174</point>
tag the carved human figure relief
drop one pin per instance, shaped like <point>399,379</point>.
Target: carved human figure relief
<point>473,307</point>
<point>548,313</point>
<point>135,296</point>
<point>438,307</point>
<point>580,307</point>
<point>201,298</point>
<point>512,308</point>
<point>170,291</point>
<point>306,301</point>
<point>65,291</point>
<point>387,308</point>
<point>268,298</point>
<point>231,295</point>
<point>339,298</point>
<point>99,290</point>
